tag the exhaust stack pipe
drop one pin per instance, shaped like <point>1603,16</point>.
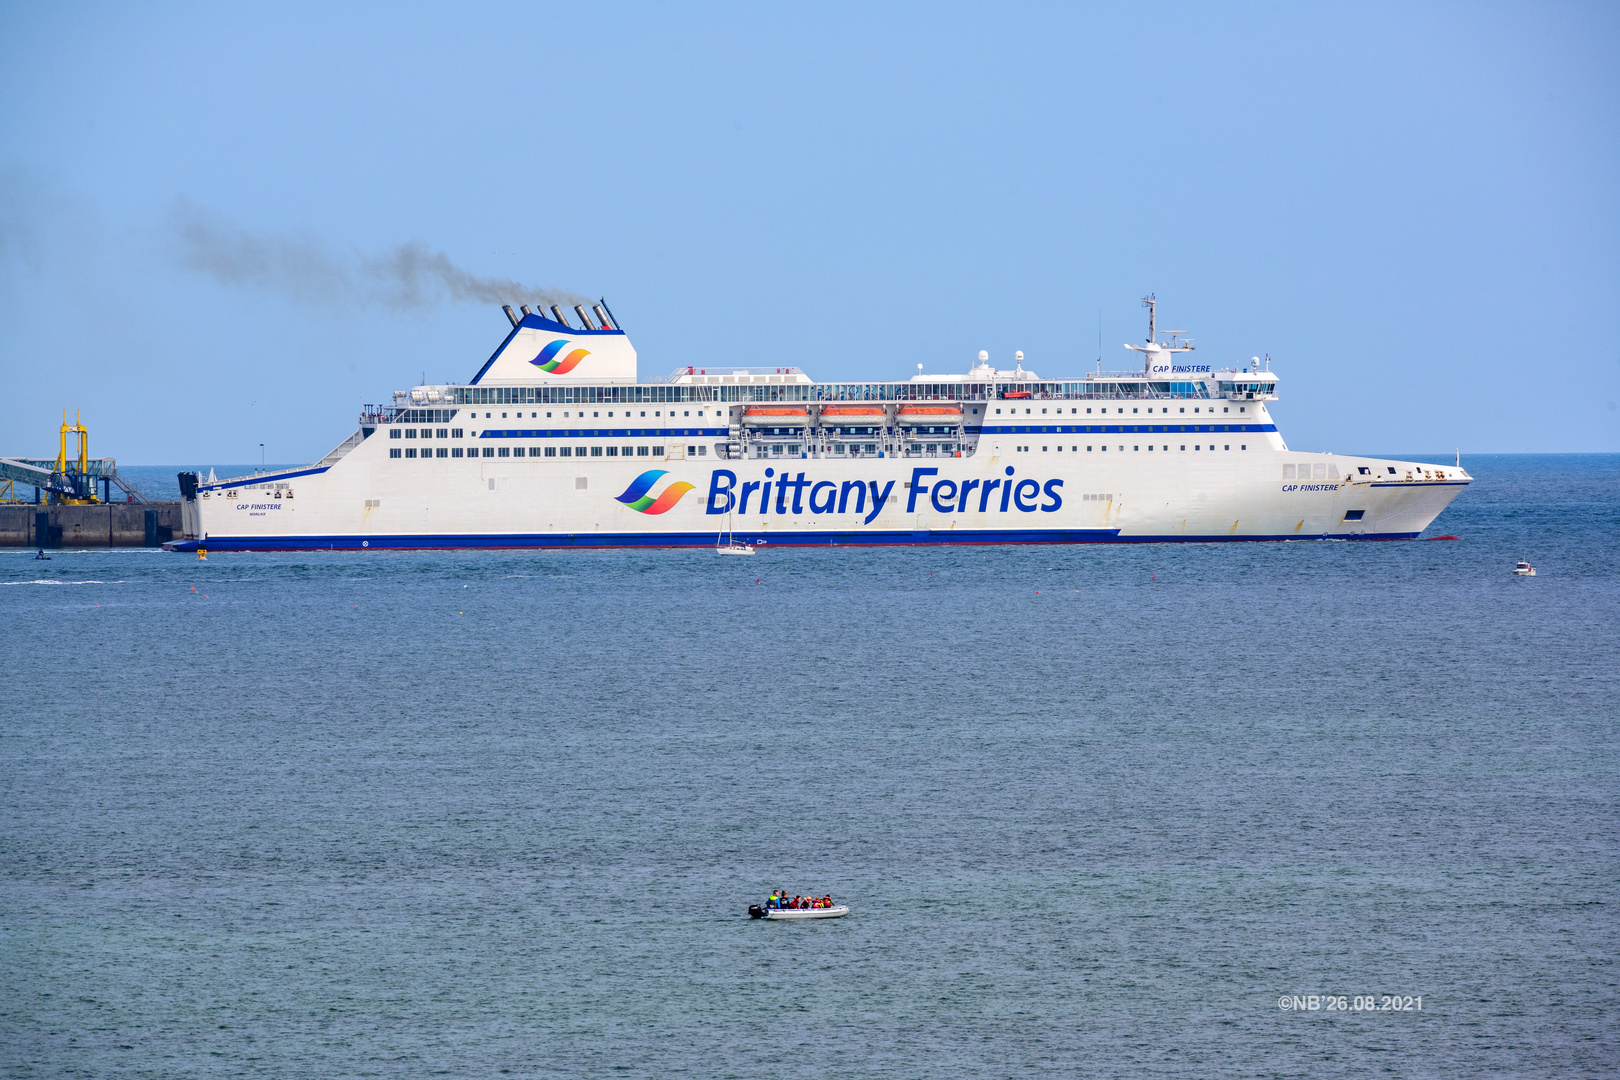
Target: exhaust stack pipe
<point>585,319</point>
<point>510,314</point>
<point>557,311</point>
<point>602,318</point>
<point>525,309</point>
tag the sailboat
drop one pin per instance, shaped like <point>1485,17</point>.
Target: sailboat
<point>726,543</point>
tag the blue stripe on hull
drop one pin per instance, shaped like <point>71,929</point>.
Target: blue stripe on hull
<point>707,539</point>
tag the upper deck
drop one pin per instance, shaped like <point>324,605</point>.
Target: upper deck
<point>547,361</point>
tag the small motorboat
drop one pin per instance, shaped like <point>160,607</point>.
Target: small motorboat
<point>837,911</point>
<point>1524,569</point>
<point>42,555</point>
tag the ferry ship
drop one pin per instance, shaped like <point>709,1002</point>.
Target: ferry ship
<point>555,442</point>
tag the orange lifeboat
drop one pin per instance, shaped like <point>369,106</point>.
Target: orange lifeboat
<point>776,416</point>
<point>853,416</point>
<point>930,415</point>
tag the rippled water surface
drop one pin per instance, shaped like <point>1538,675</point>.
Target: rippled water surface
<point>1096,809</point>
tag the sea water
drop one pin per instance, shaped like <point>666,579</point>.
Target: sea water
<point>1097,810</point>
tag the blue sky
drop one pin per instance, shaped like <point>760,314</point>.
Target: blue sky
<point>1412,208</point>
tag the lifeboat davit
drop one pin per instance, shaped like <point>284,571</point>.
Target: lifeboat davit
<point>930,415</point>
<point>776,416</point>
<point>853,416</point>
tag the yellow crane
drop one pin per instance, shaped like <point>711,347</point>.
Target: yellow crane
<point>84,489</point>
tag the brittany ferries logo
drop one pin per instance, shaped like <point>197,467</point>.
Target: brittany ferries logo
<point>547,360</point>
<point>636,498</point>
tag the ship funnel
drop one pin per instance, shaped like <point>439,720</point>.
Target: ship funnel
<point>510,314</point>
<point>601,317</point>
<point>557,311</point>
<point>584,319</point>
<point>524,308</point>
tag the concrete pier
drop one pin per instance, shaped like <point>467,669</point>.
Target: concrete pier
<point>101,525</point>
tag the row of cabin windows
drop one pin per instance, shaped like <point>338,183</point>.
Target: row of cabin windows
<point>1075,449</point>
<point>426,433</point>
<point>581,414</point>
<point>533,451</point>
<point>1224,409</point>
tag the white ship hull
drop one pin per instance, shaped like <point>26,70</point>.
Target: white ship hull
<point>1073,462</point>
<point>368,502</point>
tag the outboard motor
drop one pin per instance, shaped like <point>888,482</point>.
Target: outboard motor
<point>755,911</point>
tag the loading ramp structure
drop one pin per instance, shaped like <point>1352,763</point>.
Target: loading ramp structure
<point>42,474</point>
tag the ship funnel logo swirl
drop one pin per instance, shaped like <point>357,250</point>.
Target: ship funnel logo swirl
<point>636,498</point>
<point>548,362</point>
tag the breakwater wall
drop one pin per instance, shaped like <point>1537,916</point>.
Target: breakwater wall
<point>102,525</point>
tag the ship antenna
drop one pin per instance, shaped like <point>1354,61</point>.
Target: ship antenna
<point>1151,302</point>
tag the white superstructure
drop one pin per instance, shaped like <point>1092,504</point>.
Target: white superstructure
<point>554,443</point>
